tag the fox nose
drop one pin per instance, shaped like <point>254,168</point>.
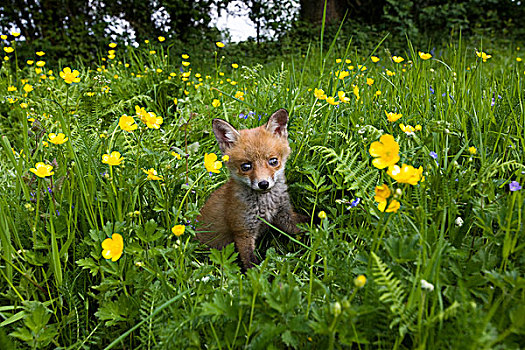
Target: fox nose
<point>263,185</point>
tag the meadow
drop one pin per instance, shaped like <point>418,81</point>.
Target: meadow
<point>409,162</point>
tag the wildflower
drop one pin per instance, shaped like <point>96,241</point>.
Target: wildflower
<point>433,155</point>
<point>152,52</point>
<point>176,155</point>
<point>356,92</point>
<point>424,56</point>
<point>378,93</point>
<point>8,49</point>
<point>319,94</point>
<point>514,186</point>
<point>215,103</point>
<point>239,95</point>
<point>127,123</point>
<point>397,59</point>
<point>342,97</point>
<point>393,207</point>
<point>185,63</point>
<point>28,88</point>
<point>360,281</point>
<point>382,193</point>
<point>354,203</point>
<point>57,139</point>
<point>152,121</point>
<point>483,55</point>
<point>472,150</point>
<point>3,37</point>
<point>113,159</point>
<point>427,286</point>
<point>374,59</point>
<point>219,44</point>
<point>40,63</point>
<point>225,158</point>
<point>235,65</point>
<point>178,230</point>
<point>342,75</point>
<point>386,152</point>
<point>23,105</point>
<point>70,76</point>
<point>392,117</point>
<point>11,88</point>
<point>113,247</point>
<point>348,61</point>
<point>322,215</point>
<point>369,81</point>
<point>112,45</point>
<point>518,59</point>
<point>432,91</point>
<point>361,68</point>
<point>331,100</point>
<point>211,163</point>
<point>161,38</point>
<point>42,170</point>
<point>390,73</point>
<point>15,34</point>
<point>152,174</point>
<point>459,221</point>
<point>406,174</point>
<point>30,62</point>
<point>418,127</point>
<point>407,129</point>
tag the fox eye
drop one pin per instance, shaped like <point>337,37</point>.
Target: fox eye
<point>246,166</point>
<point>273,161</point>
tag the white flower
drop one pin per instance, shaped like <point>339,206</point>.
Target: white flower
<point>459,221</point>
<point>426,285</point>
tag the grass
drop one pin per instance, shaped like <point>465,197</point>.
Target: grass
<point>445,270</point>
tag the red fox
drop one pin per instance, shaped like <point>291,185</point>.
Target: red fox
<point>256,189</point>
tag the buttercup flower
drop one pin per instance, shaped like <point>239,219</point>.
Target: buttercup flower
<point>152,174</point>
<point>424,56</point>
<point>28,88</point>
<point>483,56</point>
<point>374,59</point>
<point>322,215</point>
<point>369,81</point>
<point>356,91</point>
<point>382,193</point>
<point>225,158</point>
<point>235,65</point>
<point>407,129</point>
<point>219,44</point>
<point>40,64</point>
<point>211,163</point>
<point>42,170</point>
<point>319,94</point>
<point>343,74</point>
<point>40,53</point>
<point>113,247</point>
<point>112,45</point>
<point>127,123</point>
<point>161,38</point>
<point>152,121</point>
<point>360,281</point>
<point>397,59</point>
<point>215,103</point>
<point>178,230</point>
<point>472,150</point>
<point>392,207</point>
<point>57,139</point>
<point>239,95</point>
<point>11,88</point>
<point>392,117</point>
<point>406,174</point>
<point>176,155</point>
<point>386,152</point>
<point>331,100</point>
<point>70,76</point>
<point>113,159</point>
<point>342,97</point>
<point>8,49</point>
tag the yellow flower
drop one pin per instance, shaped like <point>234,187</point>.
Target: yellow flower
<point>378,93</point>
<point>3,37</point>
<point>176,155</point>
<point>483,55</point>
<point>15,34</point>
<point>161,38</point>
<point>348,61</point>
<point>57,139</point>
<point>40,53</point>
<point>70,76</point>
<point>406,174</point>
<point>127,123</point>
<point>113,159</point>
<point>146,41</point>
<point>23,105</point>
<point>418,127</point>
<point>235,65</point>
<point>386,152</point>
<point>185,56</point>
<point>152,52</point>
<point>215,103</point>
<point>397,59</point>
<point>152,174</point>
<point>374,59</point>
<point>392,117</point>
<point>382,193</point>
<point>40,64</point>
<point>407,129</point>
<point>424,56</point>
<point>331,100</point>
<point>8,49</point>
<point>322,215</point>
<point>472,150</point>
<point>211,163</point>
<point>360,281</point>
<point>390,73</point>
<point>112,45</point>
<point>239,95</point>
<point>28,88</point>
<point>361,68</point>
<point>219,44</point>
<point>319,94</point>
<point>369,81</point>
<point>518,59</point>
<point>113,247</point>
<point>356,92</point>
<point>185,63</point>
<point>11,88</point>
<point>45,143</point>
<point>225,158</point>
<point>152,121</point>
<point>342,97</point>
<point>178,230</point>
<point>392,207</point>
<point>30,62</point>
<point>342,75</point>
<point>42,170</point>
<point>338,60</point>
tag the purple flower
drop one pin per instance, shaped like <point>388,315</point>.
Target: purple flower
<point>354,203</point>
<point>242,115</point>
<point>432,90</point>
<point>433,154</point>
<point>514,186</point>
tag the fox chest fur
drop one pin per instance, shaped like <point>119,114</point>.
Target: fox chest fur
<point>255,194</point>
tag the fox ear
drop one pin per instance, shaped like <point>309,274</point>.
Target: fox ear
<point>225,134</point>
<point>277,123</point>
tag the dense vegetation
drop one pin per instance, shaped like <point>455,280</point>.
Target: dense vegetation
<point>395,258</point>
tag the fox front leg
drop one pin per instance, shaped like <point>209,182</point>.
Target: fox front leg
<point>245,244</point>
<point>287,221</point>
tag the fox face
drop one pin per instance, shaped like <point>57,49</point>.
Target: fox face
<point>257,156</point>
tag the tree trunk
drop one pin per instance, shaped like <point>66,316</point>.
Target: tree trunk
<point>312,11</point>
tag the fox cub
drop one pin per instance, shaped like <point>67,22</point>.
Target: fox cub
<point>256,189</point>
